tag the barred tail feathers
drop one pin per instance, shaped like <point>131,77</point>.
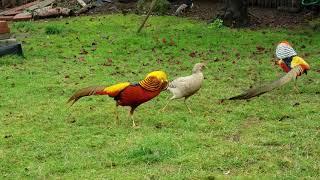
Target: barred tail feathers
<point>112,91</point>
<point>253,92</point>
<point>88,91</point>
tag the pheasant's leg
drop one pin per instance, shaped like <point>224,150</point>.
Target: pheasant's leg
<point>167,103</point>
<point>187,105</point>
<point>295,87</point>
<point>131,116</point>
<point>132,119</point>
<point>165,106</point>
<point>117,114</point>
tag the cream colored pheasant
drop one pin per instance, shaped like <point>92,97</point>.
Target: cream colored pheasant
<point>184,87</point>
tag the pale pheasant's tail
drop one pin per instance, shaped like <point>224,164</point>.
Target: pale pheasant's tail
<point>253,92</point>
<point>88,91</point>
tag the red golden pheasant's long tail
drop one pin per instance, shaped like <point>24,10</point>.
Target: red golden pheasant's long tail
<point>88,91</point>
<point>111,91</point>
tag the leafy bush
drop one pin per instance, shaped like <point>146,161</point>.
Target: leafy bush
<point>217,23</point>
<point>53,29</point>
<point>315,24</point>
<point>152,149</point>
<point>161,6</point>
<point>24,26</point>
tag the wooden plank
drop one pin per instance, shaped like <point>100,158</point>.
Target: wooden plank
<point>18,9</point>
<point>51,12</point>
<point>6,18</point>
<point>22,16</point>
<point>5,36</point>
<point>40,5</point>
<point>13,13</point>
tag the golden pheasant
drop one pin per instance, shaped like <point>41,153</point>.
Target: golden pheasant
<point>128,94</point>
<point>184,87</point>
<point>288,60</point>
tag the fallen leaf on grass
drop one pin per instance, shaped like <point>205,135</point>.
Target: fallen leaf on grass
<point>164,40</point>
<point>108,62</point>
<point>81,59</point>
<point>296,104</point>
<point>284,117</point>
<point>83,51</point>
<point>8,136</point>
<point>193,54</point>
<point>260,48</point>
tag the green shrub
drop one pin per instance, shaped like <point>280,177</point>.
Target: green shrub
<point>25,26</point>
<point>217,23</point>
<point>160,8</point>
<point>315,24</point>
<point>151,153</point>
<point>53,29</point>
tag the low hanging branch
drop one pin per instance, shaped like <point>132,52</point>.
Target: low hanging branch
<point>149,13</point>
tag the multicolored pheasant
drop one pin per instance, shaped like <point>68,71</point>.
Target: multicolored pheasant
<point>128,94</point>
<point>288,60</point>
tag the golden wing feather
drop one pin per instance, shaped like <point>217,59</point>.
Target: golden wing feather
<point>114,90</point>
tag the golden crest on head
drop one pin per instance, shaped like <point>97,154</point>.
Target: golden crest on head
<point>158,74</point>
<point>154,81</point>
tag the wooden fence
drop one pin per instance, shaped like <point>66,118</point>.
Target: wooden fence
<point>273,3</point>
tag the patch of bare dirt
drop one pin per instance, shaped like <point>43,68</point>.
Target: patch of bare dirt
<point>203,10</point>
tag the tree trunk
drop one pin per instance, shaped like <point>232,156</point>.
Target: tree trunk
<point>235,13</point>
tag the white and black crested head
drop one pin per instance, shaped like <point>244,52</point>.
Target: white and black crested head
<point>198,67</point>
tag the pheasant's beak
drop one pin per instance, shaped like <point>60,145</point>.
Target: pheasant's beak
<point>165,85</point>
<point>278,62</point>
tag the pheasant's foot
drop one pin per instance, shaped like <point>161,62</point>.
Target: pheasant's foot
<point>190,111</point>
<point>296,89</point>
<point>162,110</point>
<point>117,120</point>
<point>117,116</point>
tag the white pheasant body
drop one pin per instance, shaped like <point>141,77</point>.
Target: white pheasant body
<point>186,86</point>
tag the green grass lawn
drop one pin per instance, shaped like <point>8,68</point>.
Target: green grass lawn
<point>274,135</point>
